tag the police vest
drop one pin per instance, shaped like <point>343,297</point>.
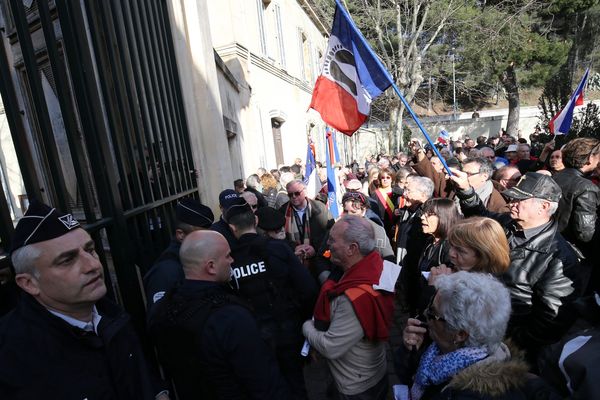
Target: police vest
<point>270,294</point>
<point>174,329</point>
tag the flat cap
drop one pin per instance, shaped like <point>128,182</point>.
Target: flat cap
<point>534,185</point>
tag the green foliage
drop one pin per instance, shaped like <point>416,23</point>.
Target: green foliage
<point>489,40</point>
<point>569,7</point>
<point>586,123</point>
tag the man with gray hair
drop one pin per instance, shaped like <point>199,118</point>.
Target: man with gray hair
<point>66,339</point>
<point>545,275</point>
<point>479,172</point>
<point>354,312</point>
<point>418,190</point>
<point>254,186</point>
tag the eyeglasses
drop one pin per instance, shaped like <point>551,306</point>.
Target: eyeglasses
<point>430,313</point>
<point>385,177</point>
<point>294,194</point>
<point>472,173</point>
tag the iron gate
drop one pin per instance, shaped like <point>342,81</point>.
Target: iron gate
<point>93,101</point>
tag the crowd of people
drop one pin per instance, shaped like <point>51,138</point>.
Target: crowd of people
<point>490,264</point>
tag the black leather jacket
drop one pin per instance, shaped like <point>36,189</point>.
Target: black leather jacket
<point>578,205</point>
<point>544,277</point>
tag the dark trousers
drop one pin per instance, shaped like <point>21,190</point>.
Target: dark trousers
<point>377,392</point>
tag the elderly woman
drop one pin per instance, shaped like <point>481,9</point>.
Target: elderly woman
<point>458,353</point>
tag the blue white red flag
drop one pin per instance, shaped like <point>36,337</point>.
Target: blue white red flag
<point>444,137</point>
<point>332,203</point>
<point>560,124</point>
<point>351,77</point>
<point>311,177</point>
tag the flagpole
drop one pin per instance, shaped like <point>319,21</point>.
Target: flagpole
<point>393,84</point>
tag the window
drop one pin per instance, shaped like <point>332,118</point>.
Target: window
<point>261,26</point>
<point>305,56</point>
<point>279,31</point>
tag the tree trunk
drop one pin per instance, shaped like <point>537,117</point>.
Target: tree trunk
<point>509,81</point>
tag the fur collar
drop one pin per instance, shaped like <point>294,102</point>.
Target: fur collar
<point>495,375</point>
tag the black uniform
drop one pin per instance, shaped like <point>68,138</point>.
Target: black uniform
<point>210,345</point>
<point>43,357</point>
<point>281,291</point>
<point>223,228</point>
<point>166,272</point>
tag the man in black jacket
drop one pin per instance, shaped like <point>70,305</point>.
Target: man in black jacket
<point>207,340</point>
<point>64,340</point>
<point>544,275</point>
<point>578,206</point>
<point>167,271</point>
<point>269,276</point>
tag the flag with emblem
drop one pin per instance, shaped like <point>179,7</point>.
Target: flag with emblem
<point>351,77</point>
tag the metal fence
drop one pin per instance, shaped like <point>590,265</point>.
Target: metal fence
<point>93,101</point>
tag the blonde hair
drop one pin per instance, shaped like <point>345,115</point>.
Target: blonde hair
<point>268,181</point>
<point>487,238</point>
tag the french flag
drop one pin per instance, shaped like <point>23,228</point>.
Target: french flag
<point>560,124</point>
<point>311,180</point>
<point>351,77</point>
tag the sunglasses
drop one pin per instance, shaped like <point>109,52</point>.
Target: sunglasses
<point>430,314</point>
<point>294,194</point>
<point>355,196</point>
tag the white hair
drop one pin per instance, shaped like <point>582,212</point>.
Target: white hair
<point>24,259</point>
<point>359,231</point>
<point>424,185</point>
<point>475,303</point>
<point>286,178</point>
<point>553,205</point>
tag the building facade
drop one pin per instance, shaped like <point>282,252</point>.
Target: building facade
<point>273,50</point>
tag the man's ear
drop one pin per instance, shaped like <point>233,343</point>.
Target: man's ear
<point>210,267</point>
<point>28,283</point>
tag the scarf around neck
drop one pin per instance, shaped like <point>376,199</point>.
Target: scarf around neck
<point>372,299</point>
<point>298,229</point>
<point>436,368</point>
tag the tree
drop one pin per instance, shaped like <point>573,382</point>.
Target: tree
<point>574,24</point>
<point>511,42</point>
<point>405,34</point>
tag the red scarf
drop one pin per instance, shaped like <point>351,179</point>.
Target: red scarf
<point>374,309</point>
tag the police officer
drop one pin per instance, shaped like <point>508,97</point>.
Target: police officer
<point>227,198</point>
<point>207,339</point>
<point>281,291</point>
<point>66,339</point>
<point>167,271</point>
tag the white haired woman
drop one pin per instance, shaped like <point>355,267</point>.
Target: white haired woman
<point>466,322</point>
